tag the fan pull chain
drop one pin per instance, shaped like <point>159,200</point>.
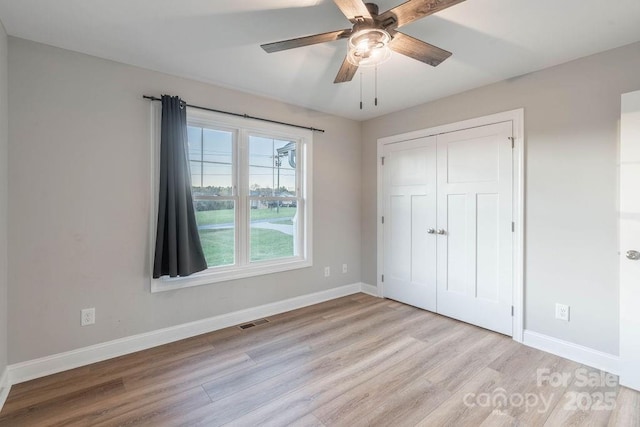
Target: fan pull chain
<point>361,90</point>
<point>376,89</point>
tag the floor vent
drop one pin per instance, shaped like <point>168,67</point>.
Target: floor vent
<point>254,323</point>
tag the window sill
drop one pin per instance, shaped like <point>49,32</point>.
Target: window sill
<point>210,276</point>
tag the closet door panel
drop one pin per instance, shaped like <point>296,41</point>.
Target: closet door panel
<point>474,192</point>
<point>409,194</point>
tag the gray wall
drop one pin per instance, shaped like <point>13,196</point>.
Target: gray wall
<point>4,177</point>
<point>571,131</point>
<point>79,191</point>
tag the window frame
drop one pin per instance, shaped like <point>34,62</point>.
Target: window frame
<point>242,129</point>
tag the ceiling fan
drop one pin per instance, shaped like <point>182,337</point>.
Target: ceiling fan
<point>373,35</point>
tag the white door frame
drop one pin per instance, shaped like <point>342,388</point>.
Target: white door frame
<point>517,118</point>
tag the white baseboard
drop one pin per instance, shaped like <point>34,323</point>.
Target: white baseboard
<point>369,289</point>
<point>31,369</point>
<point>5,386</point>
<point>578,353</point>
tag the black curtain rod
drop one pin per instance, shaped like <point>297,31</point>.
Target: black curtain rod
<point>246,116</point>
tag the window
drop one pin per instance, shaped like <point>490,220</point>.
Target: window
<point>251,190</point>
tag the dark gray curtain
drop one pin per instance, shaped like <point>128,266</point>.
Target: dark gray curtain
<point>178,248</point>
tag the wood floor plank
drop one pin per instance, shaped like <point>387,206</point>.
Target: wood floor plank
<point>319,310</point>
<point>434,329</point>
<point>627,410</point>
<point>189,371</point>
<point>356,369</point>
<point>306,421</point>
<point>540,395</point>
<point>333,331</point>
<point>360,402</point>
<point>312,350</point>
<point>29,393</point>
<point>277,332</point>
<point>46,410</point>
<point>323,391</point>
<point>499,419</point>
<point>415,400</point>
<point>462,365</point>
<point>354,361</point>
<point>519,362</point>
<point>584,404</point>
<point>173,383</point>
<point>159,412</point>
<point>230,408</point>
<point>461,409</point>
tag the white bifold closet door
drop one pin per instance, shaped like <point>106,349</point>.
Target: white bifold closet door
<point>475,261</point>
<point>410,210</point>
<point>448,241</point>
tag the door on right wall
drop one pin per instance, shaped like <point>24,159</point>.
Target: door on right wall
<point>466,235</point>
<point>630,240</point>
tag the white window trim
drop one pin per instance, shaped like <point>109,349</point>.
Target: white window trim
<point>245,127</point>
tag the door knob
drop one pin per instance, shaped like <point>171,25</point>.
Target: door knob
<point>441,231</point>
<point>634,255</point>
<point>431,231</point>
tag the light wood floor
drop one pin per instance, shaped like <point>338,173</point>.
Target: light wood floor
<point>354,361</point>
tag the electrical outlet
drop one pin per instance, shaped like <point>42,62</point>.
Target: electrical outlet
<point>344,268</point>
<point>87,316</point>
<point>327,271</point>
<point>562,312</point>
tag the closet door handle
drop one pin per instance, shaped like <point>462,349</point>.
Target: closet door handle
<point>441,231</point>
<point>431,231</point>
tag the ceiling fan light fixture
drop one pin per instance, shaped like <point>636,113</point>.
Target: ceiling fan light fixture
<point>369,47</point>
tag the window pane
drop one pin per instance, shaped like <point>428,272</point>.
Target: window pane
<point>196,174</point>
<point>273,229</point>
<point>217,146</point>
<point>272,167</point>
<point>212,173</point>
<point>216,226</point>
<point>194,140</point>
<point>216,180</point>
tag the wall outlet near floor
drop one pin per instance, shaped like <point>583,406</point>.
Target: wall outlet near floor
<point>562,312</point>
<point>344,268</point>
<point>87,316</point>
<point>327,271</point>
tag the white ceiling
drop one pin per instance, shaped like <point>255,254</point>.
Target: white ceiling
<point>218,41</point>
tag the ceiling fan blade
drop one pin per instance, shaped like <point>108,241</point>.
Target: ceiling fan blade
<point>354,8</point>
<point>346,72</point>
<point>417,49</point>
<point>415,9</point>
<point>305,41</point>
